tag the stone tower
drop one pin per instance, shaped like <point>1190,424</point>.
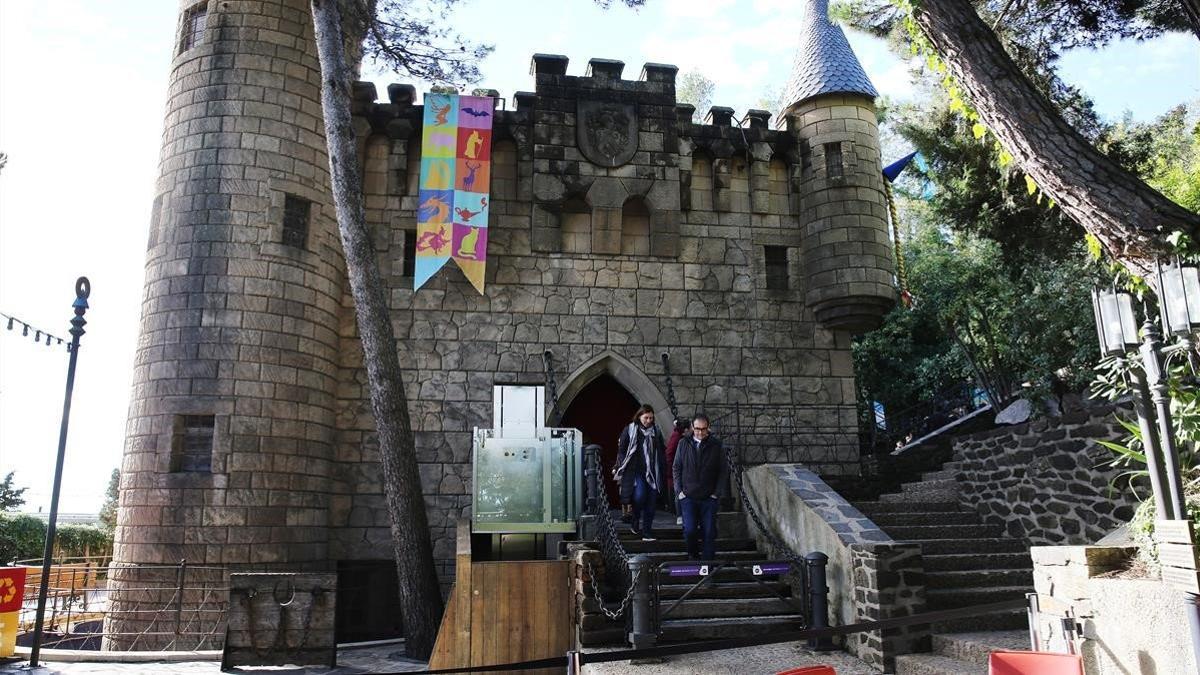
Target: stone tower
<point>231,418</point>
<point>848,257</point>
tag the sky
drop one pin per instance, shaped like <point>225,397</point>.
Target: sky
<point>82,90</point>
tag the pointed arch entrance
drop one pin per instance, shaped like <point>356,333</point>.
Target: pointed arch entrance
<point>600,398</point>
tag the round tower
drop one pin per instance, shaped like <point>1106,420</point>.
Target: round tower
<point>231,419</point>
<point>848,256</point>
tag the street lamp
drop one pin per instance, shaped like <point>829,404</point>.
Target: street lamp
<point>1115,322</point>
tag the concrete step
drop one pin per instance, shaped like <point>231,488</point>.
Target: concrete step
<point>922,532</point>
<point>726,589</point>
<point>674,542</point>
<point>730,524</point>
<point>974,561</point>
<point>1016,620</point>
<point>979,579</point>
<point>709,608</point>
<point>933,664</point>
<point>974,647</point>
<point>876,508</point>
<point>944,474</point>
<point>886,520</point>
<point>679,556</point>
<point>954,598</point>
<point>943,496</point>
<point>689,630</point>
<point>931,485</point>
<point>990,545</point>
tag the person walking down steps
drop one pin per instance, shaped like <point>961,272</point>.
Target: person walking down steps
<point>641,469</point>
<point>702,478</point>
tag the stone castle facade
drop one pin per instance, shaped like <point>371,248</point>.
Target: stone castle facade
<point>749,254</point>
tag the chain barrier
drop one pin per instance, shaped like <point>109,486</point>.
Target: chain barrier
<point>548,362</point>
<point>612,616</point>
<point>671,402</point>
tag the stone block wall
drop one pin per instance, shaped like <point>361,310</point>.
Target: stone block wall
<point>1128,625</point>
<point>1046,480</point>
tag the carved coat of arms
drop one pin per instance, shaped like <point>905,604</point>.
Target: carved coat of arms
<point>608,132</point>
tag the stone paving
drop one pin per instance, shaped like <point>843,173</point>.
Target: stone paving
<point>763,660</point>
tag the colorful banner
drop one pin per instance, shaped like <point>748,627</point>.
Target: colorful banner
<point>452,211</point>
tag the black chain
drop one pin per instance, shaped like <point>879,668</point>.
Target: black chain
<point>615,557</point>
<point>666,361</point>
<point>735,469</point>
<point>548,360</point>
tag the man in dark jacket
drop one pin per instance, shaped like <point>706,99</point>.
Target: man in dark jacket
<point>701,477</point>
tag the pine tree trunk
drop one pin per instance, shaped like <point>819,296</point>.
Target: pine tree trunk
<point>1129,217</point>
<point>420,595</point>
<point>1191,10</point>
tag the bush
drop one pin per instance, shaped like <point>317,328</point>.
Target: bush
<point>23,537</point>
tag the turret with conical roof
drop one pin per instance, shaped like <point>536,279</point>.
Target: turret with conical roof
<point>831,110</point>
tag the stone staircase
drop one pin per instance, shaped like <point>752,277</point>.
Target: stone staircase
<point>961,653</point>
<point>966,563</point>
<point>730,605</point>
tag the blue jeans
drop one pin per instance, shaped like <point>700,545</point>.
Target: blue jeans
<point>645,500</point>
<point>700,514</point>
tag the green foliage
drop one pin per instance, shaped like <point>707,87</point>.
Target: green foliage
<point>10,496</point>
<point>1165,152</point>
<point>23,537</point>
<point>694,88</point>
<point>108,510</point>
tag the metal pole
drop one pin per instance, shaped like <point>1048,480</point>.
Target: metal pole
<point>83,288</point>
<point>818,599</point>
<point>1150,444</point>
<point>642,634</point>
<point>1159,393</point>
<point>1191,606</point>
<point>179,586</point>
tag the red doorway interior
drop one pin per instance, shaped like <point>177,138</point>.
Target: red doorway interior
<point>600,411</point>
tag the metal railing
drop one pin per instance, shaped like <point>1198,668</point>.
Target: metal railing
<point>93,603</point>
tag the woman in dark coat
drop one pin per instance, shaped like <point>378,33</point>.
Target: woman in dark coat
<point>641,469</point>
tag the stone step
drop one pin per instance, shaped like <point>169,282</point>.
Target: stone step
<point>726,589</point>
<point>942,496</point>
<point>989,545</point>
<point>679,556</point>
<point>922,532</point>
<point>979,579</point>
<point>954,466</point>
<point>944,474</point>
<point>674,543</point>
<point>876,508</point>
<point>974,647</point>
<point>709,608</point>
<point>730,524</point>
<point>886,520</point>
<point>933,664</point>
<point>954,598</point>
<point>690,630</point>
<point>1015,620</point>
<point>974,561</point>
<point>931,485</point>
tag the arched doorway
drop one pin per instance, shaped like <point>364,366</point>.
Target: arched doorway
<point>600,410</point>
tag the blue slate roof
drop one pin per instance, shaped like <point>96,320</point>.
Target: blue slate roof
<point>824,62</point>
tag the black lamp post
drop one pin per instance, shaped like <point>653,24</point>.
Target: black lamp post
<point>1178,288</point>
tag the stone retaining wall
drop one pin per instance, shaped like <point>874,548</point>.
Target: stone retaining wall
<point>870,576</point>
<point>1047,480</point>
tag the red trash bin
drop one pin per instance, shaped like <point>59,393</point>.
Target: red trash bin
<point>1034,663</point>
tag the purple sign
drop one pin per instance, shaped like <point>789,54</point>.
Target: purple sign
<point>770,568</point>
<point>687,570</point>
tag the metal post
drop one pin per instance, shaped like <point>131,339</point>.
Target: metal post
<point>179,586</point>
<point>1150,445</point>
<point>818,599</point>
<point>1033,612</point>
<point>1159,393</point>
<point>83,288</point>
<point>642,634</point>
<point>594,497</point>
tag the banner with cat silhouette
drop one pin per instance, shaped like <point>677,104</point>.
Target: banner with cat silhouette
<point>452,207</point>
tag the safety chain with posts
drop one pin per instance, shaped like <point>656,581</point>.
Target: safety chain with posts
<point>616,559</point>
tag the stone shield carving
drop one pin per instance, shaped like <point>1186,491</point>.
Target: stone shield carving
<point>608,132</point>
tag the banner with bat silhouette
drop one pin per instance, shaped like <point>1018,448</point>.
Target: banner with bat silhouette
<point>452,210</point>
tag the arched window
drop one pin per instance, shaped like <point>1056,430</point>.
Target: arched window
<point>778,177</point>
<point>504,170</point>
<point>635,227</point>
<point>702,182</point>
<point>576,224</point>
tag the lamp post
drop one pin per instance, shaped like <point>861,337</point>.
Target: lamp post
<point>83,288</point>
<point>1178,288</point>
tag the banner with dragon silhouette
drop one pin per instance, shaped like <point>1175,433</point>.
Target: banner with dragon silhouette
<point>452,212</point>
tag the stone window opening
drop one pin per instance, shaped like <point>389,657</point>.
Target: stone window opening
<point>776,258</point>
<point>702,182</point>
<point>834,166</point>
<point>777,172</point>
<point>194,21</point>
<point>576,225</point>
<point>295,221</point>
<point>635,227</point>
<point>192,443</point>
<point>409,265</point>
